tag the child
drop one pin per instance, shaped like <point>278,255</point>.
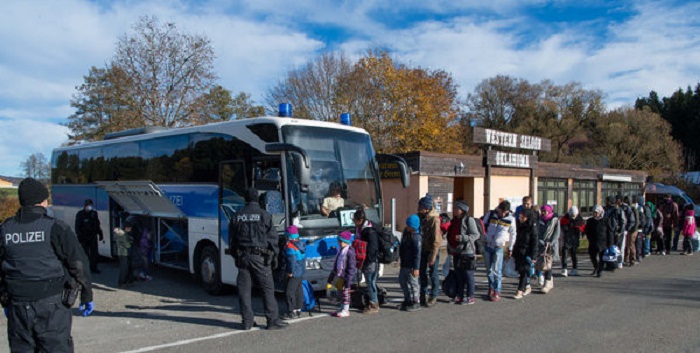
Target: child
<point>124,242</point>
<point>343,273</point>
<point>409,251</point>
<point>295,252</point>
<point>688,228</point>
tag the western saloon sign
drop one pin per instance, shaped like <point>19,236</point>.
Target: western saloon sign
<point>491,137</point>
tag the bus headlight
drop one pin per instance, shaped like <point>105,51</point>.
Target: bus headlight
<point>313,264</point>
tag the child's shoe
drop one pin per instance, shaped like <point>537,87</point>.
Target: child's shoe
<point>341,313</point>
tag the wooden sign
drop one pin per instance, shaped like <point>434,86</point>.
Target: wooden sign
<point>509,139</point>
<point>389,170</point>
<point>510,160</point>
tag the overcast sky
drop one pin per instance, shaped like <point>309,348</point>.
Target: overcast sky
<point>623,48</point>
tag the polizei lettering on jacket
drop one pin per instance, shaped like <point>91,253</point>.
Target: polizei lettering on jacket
<point>248,218</point>
<point>28,237</point>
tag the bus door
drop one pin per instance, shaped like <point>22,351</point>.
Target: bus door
<point>232,185</point>
<point>147,200</point>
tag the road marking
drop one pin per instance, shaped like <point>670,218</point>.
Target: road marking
<point>219,335</point>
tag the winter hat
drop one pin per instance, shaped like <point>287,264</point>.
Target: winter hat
<point>292,232</point>
<point>462,205</point>
<point>345,237</point>
<point>88,202</point>
<point>32,192</point>
<point>549,210</point>
<point>573,211</point>
<point>426,202</point>
<point>414,222</point>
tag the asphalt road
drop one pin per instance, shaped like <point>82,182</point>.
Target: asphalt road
<point>648,308</point>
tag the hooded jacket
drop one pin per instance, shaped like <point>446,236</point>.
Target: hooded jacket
<point>432,235</point>
<point>499,231</point>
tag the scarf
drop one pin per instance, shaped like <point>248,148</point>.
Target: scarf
<point>341,260</point>
<point>358,230</point>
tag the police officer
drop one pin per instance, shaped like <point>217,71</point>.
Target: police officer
<point>87,227</point>
<point>42,271</point>
<point>254,246</point>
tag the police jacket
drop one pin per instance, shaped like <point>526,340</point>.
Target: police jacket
<point>87,225</point>
<point>252,228</point>
<point>40,255</point>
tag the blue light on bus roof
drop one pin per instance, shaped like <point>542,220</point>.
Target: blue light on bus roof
<point>345,119</point>
<point>285,110</point>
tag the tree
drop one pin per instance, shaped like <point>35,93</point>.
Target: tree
<point>36,166</point>
<point>243,107</point>
<point>220,106</point>
<point>636,139</point>
<point>312,88</point>
<point>157,77</point>
<point>404,109</point>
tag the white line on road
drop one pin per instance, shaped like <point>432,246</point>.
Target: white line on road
<point>219,335</point>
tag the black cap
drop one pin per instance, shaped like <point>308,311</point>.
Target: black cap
<point>32,192</point>
<point>88,202</point>
<point>251,195</point>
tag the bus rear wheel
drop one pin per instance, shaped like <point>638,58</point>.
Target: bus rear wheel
<point>210,270</point>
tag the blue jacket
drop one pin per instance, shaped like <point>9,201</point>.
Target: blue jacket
<point>409,251</point>
<point>296,258</point>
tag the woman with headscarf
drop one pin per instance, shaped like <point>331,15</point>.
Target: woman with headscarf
<point>549,229</point>
<point>600,237</point>
<point>525,249</point>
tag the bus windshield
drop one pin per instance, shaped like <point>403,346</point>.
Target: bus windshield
<point>343,178</point>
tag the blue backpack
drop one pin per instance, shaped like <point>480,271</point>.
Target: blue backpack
<point>309,299</point>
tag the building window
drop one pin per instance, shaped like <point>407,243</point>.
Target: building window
<point>623,189</point>
<point>552,192</point>
<point>584,196</point>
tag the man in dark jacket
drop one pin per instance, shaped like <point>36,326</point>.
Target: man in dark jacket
<point>87,227</point>
<point>255,246</point>
<point>618,222</point>
<point>41,259</point>
<point>669,211</point>
<point>599,232</point>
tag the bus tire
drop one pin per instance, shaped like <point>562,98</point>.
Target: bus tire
<point>209,270</point>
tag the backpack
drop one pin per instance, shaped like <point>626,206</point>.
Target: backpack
<point>642,219</point>
<point>449,284</point>
<point>309,299</point>
<point>360,247</point>
<point>388,251</point>
<point>481,242</point>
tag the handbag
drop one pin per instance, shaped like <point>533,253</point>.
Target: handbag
<point>544,260</point>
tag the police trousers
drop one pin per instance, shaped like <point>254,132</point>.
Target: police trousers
<point>253,267</point>
<point>40,326</point>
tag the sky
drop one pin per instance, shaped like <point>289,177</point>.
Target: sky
<point>623,48</point>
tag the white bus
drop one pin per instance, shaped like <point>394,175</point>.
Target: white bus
<point>186,184</point>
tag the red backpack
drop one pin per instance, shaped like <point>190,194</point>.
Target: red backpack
<point>360,247</point>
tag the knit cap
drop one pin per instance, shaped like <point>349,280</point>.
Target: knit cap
<point>462,205</point>
<point>32,192</point>
<point>426,202</point>
<point>414,222</point>
<point>345,237</point>
<point>292,232</point>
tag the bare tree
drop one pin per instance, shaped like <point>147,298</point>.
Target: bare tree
<point>311,89</point>
<point>36,166</point>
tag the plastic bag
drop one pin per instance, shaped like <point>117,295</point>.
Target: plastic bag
<point>509,268</point>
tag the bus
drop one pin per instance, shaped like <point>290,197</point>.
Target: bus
<point>185,185</point>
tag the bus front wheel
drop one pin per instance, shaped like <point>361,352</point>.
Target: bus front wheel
<point>210,270</point>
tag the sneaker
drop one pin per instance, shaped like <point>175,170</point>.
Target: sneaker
<point>342,313</point>
<point>540,280</point>
<point>619,265</point>
<point>518,295</point>
<point>430,302</point>
<point>470,301</point>
<point>690,254</point>
<point>459,301</point>
<point>490,293</point>
<point>277,325</point>
<point>527,291</point>
<point>574,272</point>
<point>496,297</point>
<point>564,273</point>
<point>663,253</point>
<point>413,307</point>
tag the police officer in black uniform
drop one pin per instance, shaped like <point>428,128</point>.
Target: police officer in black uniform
<point>42,271</point>
<point>87,227</point>
<point>254,246</point>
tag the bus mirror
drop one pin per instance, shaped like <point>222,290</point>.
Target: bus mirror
<point>302,172</point>
<point>404,170</point>
<point>302,168</point>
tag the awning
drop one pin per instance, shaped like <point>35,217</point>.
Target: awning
<point>141,198</point>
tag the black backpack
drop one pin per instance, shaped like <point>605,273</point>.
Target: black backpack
<point>480,243</point>
<point>388,251</point>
